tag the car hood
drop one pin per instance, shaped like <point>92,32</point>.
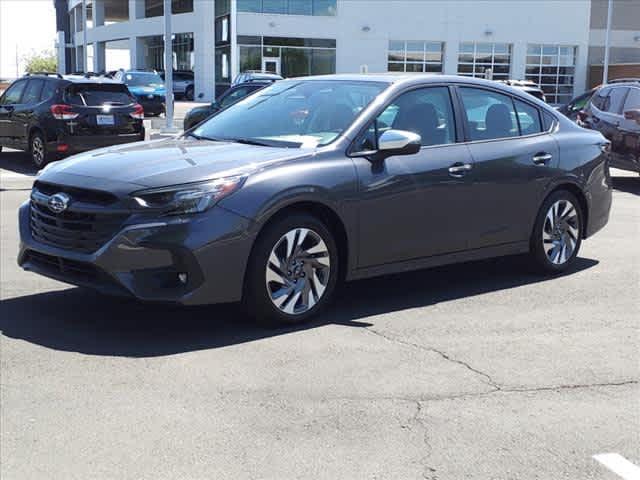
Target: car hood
<point>166,162</point>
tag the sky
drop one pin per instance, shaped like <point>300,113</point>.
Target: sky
<point>29,24</point>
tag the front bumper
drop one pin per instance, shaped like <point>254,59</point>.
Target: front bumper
<point>145,258</point>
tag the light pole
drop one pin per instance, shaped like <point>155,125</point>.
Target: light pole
<point>168,67</point>
<point>607,39</point>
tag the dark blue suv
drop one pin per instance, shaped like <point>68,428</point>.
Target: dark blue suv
<point>147,87</point>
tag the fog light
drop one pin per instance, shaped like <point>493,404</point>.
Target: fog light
<point>183,277</point>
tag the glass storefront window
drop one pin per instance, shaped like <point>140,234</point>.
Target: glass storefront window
<point>415,56</point>
<point>182,52</point>
<point>475,59</point>
<point>297,56</point>
<point>552,67</point>
<point>289,7</point>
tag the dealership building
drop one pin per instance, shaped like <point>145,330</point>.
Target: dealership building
<point>549,42</point>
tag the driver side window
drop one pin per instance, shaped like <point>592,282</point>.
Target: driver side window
<point>425,111</point>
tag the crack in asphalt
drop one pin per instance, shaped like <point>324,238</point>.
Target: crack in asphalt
<point>487,379</point>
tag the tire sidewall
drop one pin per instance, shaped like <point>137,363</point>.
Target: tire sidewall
<point>34,136</point>
<point>536,245</point>
<point>256,298</point>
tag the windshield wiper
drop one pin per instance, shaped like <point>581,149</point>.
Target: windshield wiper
<point>250,141</point>
<point>202,137</point>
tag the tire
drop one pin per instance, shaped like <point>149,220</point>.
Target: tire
<point>188,94</point>
<point>38,150</point>
<point>554,245</point>
<point>307,285</point>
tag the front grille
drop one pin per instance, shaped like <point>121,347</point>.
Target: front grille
<point>61,265</point>
<point>85,195</point>
<point>71,230</point>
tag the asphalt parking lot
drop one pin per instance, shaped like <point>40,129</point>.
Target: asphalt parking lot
<point>475,371</point>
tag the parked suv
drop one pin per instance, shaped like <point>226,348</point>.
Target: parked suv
<point>310,181</point>
<point>183,83</point>
<point>52,115</point>
<point>614,110</point>
<point>228,98</point>
<point>147,87</point>
<point>253,75</point>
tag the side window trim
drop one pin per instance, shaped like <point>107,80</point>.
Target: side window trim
<point>464,121</point>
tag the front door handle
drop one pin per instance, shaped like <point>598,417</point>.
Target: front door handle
<point>542,158</point>
<point>459,169</point>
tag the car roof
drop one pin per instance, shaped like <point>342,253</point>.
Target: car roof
<point>413,78</point>
<point>90,79</point>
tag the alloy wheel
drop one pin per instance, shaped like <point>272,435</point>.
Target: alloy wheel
<point>37,150</point>
<point>560,232</point>
<point>297,272</point>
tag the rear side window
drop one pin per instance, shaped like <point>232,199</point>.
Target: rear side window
<point>32,93</point>
<point>548,121</point>
<point>47,91</point>
<point>490,115</point>
<point>96,95</point>
<point>13,93</point>
<point>633,100</point>
<point>616,100</point>
<point>528,118</point>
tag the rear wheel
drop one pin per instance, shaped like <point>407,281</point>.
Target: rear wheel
<point>38,150</point>
<point>557,235</point>
<point>292,272</point>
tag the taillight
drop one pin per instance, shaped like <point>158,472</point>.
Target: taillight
<point>63,112</point>
<point>138,112</point>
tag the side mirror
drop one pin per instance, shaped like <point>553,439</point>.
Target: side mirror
<point>215,105</point>
<point>399,142</point>
<point>633,115</point>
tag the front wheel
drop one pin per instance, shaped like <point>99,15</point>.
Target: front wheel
<point>38,150</point>
<point>557,234</point>
<point>293,271</point>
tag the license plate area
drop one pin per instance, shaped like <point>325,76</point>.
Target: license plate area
<point>108,120</point>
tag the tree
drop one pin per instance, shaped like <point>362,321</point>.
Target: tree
<point>44,61</point>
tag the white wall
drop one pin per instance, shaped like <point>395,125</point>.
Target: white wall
<point>517,22</point>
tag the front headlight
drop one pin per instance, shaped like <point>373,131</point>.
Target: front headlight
<point>188,198</point>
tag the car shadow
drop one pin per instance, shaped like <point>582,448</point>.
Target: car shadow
<point>17,162</point>
<point>83,321</point>
<point>627,184</point>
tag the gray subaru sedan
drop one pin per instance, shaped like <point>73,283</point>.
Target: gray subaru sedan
<point>276,199</point>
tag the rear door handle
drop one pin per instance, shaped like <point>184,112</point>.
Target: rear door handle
<point>542,158</point>
<point>459,169</point>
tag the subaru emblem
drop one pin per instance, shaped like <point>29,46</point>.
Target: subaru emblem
<point>59,202</point>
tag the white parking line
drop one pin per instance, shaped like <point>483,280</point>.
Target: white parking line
<point>619,465</point>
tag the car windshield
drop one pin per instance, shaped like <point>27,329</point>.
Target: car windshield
<point>143,80</point>
<point>305,113</point>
